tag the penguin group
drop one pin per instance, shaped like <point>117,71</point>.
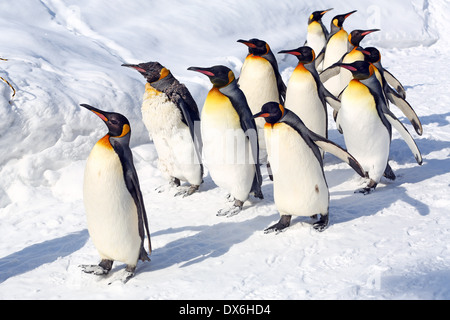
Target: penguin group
<point>246,122</point>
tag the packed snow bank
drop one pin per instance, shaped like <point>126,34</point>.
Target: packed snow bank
<point>392,244</point>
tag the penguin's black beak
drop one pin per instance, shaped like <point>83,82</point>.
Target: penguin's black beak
<point>247,43</point>
<point>293,52</point>
<point>349,14</point>
<point>347,66</point>
<point>98,112</point>
<point>261,115</point>
<point>134,66</point>
<point>366,32</point>
<point>325,11</point>
<point>365,52</point>
<point>205,71</point>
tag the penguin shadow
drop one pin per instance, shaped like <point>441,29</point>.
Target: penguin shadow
<point>42,253</point>
<point>440,119</point>
<point>209,242</point>
<point>388,192</point>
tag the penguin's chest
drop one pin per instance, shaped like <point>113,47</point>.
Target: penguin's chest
<point>337,46</point>
<point>224,141</point>
<point>226,148</point>
<point>365,135</point>
<point>258,82</point>
<point>172,138</point>
<point>358,109</point>
<point>298,180</point>
<point>160,115</point>
<point>302,98</point>
<point>315,37</point>
<point>110,209</point>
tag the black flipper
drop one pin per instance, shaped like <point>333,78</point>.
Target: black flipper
<point>281,86</point>
<point>239,102</point>
<point>406,108</point>
<point>121,147</point>
<point>390,79</point>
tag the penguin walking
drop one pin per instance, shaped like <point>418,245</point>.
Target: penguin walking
<point>367,123</point>
<point>355,54</point>
<point>230,139</point>
<point>171,116</point>
<point>299,183</point>
<point>395,94</point>
<point>305,95</point>
<point>261,82</point>
<point>317,33</point>
<point>337,45</point>
<point>116,217</point>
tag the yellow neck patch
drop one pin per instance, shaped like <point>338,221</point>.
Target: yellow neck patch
<point>164,73</point>
<point>104,142</point>
<point>150,91</point>
<point>125,130</point>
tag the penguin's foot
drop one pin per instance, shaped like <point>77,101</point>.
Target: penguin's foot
<point>101,269</point>
<point>281,225</point>
<point>368,189</point>
<point>187,191</point>
<point>258,195</point>
<point>322,224</point>
<point>229,198</point>
<point>234,210</point>
<point>173,183</point>
<point>123,276</point>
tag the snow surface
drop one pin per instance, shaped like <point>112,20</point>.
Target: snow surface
<point>392,244</point>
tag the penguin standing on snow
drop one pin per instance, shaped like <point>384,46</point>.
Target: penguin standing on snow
<point>396,96</point>
<point>337,45</point>
<point>299,183</point>
<point>261,82</point>
<point>305,95</point>
<point>116,217</point>
<point>367,122</point>
<point>230,139</point>
<point>170,114</point>
<point>317,33</point>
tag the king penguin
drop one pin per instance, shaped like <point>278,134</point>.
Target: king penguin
<point>116,217</point>
<point>305,95</point>
<point>317,33</point>
<point>395,94</point>
<point>299,184</point>
<point>337,45</point>
<point>367,123</point>
<point>261,82</point>
<point>230,139</point>
<point>171,116</point>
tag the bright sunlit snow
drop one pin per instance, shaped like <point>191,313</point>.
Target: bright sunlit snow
<point>391,244</point>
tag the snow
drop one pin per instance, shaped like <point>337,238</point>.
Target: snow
<point>392,244</point>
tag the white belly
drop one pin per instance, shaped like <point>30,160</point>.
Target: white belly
<point>315,38</point>
<point>337,46</point>
<point>302,98</point>
<point>226,149</point>
<point>299,185</point>
<point>259,84</point>
<point>366,137</point>
<point>111,212</point>
<point>173,142</point>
